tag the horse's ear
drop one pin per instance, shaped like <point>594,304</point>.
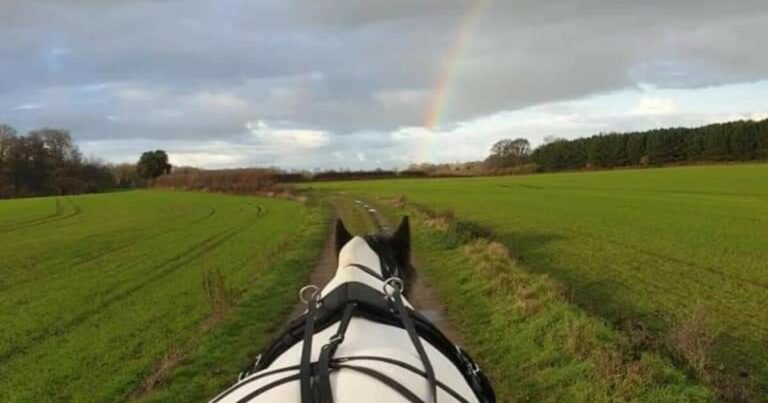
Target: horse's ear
<point>403,235</point>
<point>342,235</point>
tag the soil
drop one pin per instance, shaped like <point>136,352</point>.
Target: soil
<point>321,274</point>
<point>422,296</point>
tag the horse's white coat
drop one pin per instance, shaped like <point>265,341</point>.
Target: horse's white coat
<point>363,337</point>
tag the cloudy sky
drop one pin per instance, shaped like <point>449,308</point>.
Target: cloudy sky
<point>368,83</point>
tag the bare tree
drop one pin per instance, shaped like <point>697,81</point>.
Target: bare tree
<point>508,153</point>
<point>7,138</point>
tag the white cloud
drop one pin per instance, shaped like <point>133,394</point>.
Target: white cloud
<point>287,138</point>
<point>205,159</point>
<point>219,102</point>
<point>412,133</point>
<point>256,126</point>
<point>27,107</point>
<point>133,94</point>
<point>97,87</point>
<point>302,138</point>
<point>656,106</point>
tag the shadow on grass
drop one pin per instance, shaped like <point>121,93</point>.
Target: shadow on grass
<point>735,366</point>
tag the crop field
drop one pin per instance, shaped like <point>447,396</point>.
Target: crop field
<point>674,254</point>
<point>102,296</point>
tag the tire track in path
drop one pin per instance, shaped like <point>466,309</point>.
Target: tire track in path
<point>422,296</point>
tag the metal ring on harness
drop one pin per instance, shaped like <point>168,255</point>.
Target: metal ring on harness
<point>368,303</point>
<point>396,283</point>
<point>471,366</point>
<point>315,291</point>
<point>247,372</point>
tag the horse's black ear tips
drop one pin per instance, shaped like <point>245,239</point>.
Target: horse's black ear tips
<point>403,236</point>
<point>403,231</point>
<point>342,235</point>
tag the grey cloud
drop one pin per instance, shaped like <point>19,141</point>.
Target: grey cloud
<point>339,65</point>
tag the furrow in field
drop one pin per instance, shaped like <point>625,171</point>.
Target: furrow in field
<point>137,253</point>
<point>139,235</point>
<point>57,211</point>
<point>75,211</point>
<point>166,268</point>
<point>211,213</point>
<point>672,281</point>
<point>733,301</point>
<point>721,277</point>
<point>65,220</point>
<point>119,286</point>
<point>57,215</point>
<point>131,240</point>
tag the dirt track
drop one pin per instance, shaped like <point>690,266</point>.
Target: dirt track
<point>321,274</point>
<point>422,296</point>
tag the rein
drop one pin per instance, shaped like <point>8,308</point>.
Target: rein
<point>340,306</point>
<point>396,298</point>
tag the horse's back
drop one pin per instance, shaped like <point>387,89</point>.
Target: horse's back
<point>363,338</point>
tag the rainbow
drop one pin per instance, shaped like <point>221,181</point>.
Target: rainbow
<point>441,93</point>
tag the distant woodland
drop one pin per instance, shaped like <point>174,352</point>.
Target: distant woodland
<point>47,162</point>
<point>733,141</point>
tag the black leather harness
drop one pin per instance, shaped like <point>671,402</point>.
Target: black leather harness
<point>354,299</point>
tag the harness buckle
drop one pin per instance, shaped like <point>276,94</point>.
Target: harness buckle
<point>336,339</point>
<point>472,366</point>
<point>475,368</point>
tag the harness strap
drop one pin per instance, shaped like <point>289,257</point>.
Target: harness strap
<point>305,366</point>
<point>246,381</point>
<point>404,365</point>
<point>366,270</point>
<point>336,361</point>
<point>395,385</point>
<point>268,386</point>
<point>327,352</point>
<point>359,300</point>
<point>397,299</point>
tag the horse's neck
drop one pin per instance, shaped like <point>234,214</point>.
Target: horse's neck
<point>356,251</point>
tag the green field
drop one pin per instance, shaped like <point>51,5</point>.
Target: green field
<point>646,249</point>
<point>103,297</point>
<point>100,293</point>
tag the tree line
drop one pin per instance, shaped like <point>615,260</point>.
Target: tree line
<point>48,162</point>
<point>732,141</point>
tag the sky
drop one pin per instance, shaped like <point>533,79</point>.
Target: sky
<point>307,84</point>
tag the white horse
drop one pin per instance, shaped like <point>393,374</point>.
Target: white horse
<point>361,341</point>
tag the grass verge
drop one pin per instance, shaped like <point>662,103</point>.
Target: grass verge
<point>533,343</point>
<point>223,350</point>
